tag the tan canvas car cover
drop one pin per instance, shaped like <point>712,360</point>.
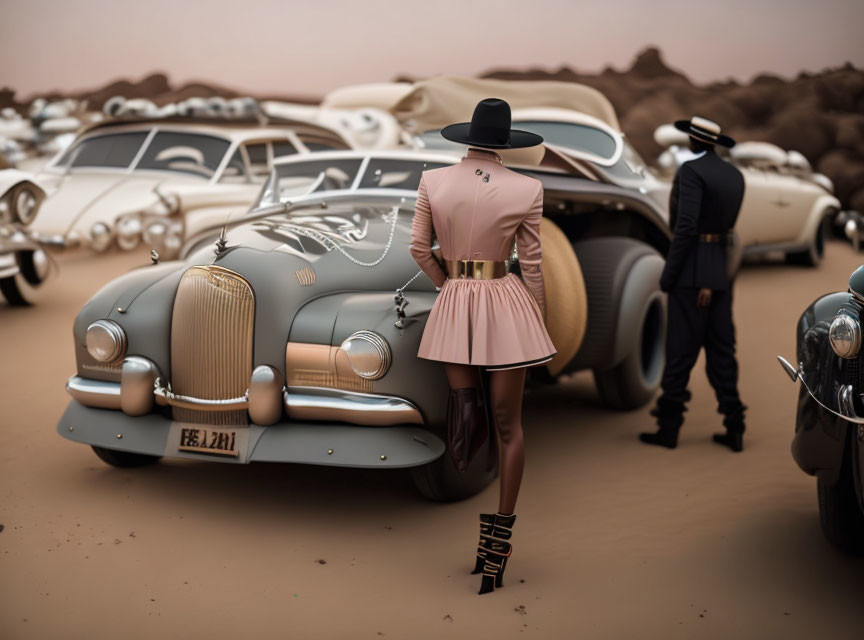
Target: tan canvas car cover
<point>435,103</point>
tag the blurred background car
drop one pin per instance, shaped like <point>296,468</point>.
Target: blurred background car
<point>24,264</point>
<point>138,176</point>
<point>787,206</point>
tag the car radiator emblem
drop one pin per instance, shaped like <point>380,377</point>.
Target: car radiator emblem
<point>305,276</point>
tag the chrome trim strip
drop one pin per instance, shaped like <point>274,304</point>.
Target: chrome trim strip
<point>301,403</point>
<point>94,393</point>
<point>320,403</point>
<point>142,150</point>
<point>166,397</point>
<point>361,172</point>
<point>844,394</point>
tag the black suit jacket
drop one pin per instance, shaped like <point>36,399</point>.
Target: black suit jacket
<point>706,197</point>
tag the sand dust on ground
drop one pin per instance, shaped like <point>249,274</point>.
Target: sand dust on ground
<point>614,539</point>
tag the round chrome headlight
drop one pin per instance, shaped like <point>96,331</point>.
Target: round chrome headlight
<point>368,354</point>
<point>845,336</point>
<point>154,234</point>
<point>25,206</point>
<point>106,341</point>
<point>100,237</point>
<point>128,232</point>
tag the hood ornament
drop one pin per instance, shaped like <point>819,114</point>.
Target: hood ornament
<point>154,256</point>
<point>221,242</point>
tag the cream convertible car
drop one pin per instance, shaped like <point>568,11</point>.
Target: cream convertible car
<point>158,180</point>
<point>785,203</point>
<point>293,337</point>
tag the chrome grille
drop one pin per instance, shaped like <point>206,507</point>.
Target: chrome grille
<point>211,341</point>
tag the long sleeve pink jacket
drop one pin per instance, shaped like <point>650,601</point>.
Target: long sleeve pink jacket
<point>476,208</point>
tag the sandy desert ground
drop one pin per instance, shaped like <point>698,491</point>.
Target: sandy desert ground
<point>614,539</point>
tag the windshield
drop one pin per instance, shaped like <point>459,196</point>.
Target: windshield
<point>300,178</point>
<point>579,137</point>
<point>433,139</point>
<point>193,153</point>
<point>115,151</point>
<point>630,165</point>
<point>395,173</point>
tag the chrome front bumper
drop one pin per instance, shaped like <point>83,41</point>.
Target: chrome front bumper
<point>266,399</point>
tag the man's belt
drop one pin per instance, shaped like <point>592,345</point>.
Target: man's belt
<point>712,237</point>
<point>476,269</point>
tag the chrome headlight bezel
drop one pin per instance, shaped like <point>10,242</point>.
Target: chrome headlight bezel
<point>105,341</point>
<point>100,237</point>
<point>26,205</point>
<point>845,335</point>
<point>128,231</point>
<point>368,354</point>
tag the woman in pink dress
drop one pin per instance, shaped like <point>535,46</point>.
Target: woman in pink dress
<point>484,317</point>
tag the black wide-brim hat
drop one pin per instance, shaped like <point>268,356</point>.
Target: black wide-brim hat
<point>490,128</point>
<point>705,131</point>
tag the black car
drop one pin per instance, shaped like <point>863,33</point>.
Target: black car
<point>829,426</point>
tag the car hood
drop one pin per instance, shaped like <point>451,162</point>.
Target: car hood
<point>80,200</point>
<point>285,268</point>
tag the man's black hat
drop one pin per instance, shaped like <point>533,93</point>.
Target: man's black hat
<point>490,127</point>
<point>705,131</point>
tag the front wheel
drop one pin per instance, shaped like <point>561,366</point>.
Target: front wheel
<point>440,481</point>
<point>812,256</point>
<point>22,288</point>
<point>840,513</point>
<point>124,459</point>
<point>634,380</point>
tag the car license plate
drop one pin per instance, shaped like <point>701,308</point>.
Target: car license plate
<point>219,442</point>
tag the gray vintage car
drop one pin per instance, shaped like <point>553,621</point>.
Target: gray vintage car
<point>293,336</point>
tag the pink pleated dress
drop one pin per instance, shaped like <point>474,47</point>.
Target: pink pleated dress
<point>476,209</point>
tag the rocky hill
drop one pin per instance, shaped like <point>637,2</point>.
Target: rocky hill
<point>820,115</point>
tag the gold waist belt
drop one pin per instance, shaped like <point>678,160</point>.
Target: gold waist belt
<point>476,269</point>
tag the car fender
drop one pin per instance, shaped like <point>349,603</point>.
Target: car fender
<point>820,207</point>
<point>11,178</point>
<point>820,435</point>
<point>330,319</point>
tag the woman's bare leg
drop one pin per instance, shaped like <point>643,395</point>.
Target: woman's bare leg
<point>506,388</point>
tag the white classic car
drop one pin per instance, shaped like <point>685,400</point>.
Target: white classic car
<point>24,265</point>
<point>785,202</point>
<point>161,180</point>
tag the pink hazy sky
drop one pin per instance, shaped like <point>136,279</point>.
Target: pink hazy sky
<point>303,47</point>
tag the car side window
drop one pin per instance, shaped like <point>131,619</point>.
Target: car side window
<point>235,171</point>
<point>115,151</point>
<point>321,143</point>
<point>283,148</point>
<point>259,161</point>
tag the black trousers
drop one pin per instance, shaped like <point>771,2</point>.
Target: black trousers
<point>690,329</point>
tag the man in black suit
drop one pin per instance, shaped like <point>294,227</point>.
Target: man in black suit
<point>706,197</point>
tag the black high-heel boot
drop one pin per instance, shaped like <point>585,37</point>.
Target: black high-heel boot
<point>487,521</point>
<point>497,550</point>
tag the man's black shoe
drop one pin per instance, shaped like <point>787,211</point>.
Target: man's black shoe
<point>663,438</point>
<point>731,439</point>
